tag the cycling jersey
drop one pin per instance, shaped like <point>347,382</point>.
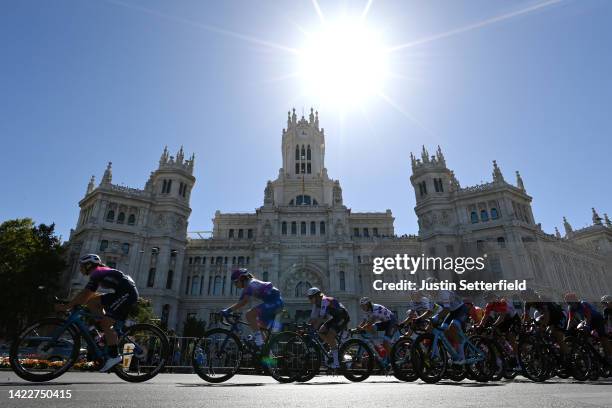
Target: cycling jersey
<point>476,313</point>
<point>330,307</point>
<point>379,313</point>
<point>264,291</point>
<point>583,311</point>
<point>419,306</point>
<point>117,304</point>
<point>502,307</point>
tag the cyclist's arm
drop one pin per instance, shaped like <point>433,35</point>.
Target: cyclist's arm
<point>81,298</point>
<point>240,304</point>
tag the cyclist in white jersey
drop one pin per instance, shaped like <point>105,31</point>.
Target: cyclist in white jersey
<point>379,317</point>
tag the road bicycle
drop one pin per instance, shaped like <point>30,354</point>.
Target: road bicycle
<point>220,353</point>
<point>430,354</point>
<point>50,347</point>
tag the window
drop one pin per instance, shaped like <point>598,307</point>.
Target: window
<point>164,185</point>
<point>241,260</point>
<point>264,276</point>
<point>375,231</point>
<point>356,232</point>
<point>187,285</point>
<point>501,242</point>
<point>190,260</point>
<point>474,217</point>
<point>240,233</point>
<point>169,279</point>
<point>125,248</point>
<point>196,260</point>
<point>303,227</point>
<point>201,284</point>
<point>366,232</point>
<point>484,215</point>
<point>308,155</point>
<point>297,153</point>
<point>438,185</point>
<point>303,155</point>
<point>250,233</point>
<point>194,285</point>
<point>103,245</point>
<point>301,289</point>
<point>303,168</point>
<point>450,250</point>
<point>131,219</point>
<point>308,168</point>
<point>284,228</point>
<point>313,228</point>
<point>297,168</point>
<point>423,188</point>
<point>231,233</point>
<point>342,281</point>
<point>121,218</point>
<point>110,216</point>
<point>218,286</point>
<point>494,214</point>
<point>322,228</point>
<point>293,228</point>
<point>169,187</point>
<point>165,315</point>
<point>480,244</point>
<point>151,278</point>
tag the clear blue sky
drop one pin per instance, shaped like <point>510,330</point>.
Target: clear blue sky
<point>85,82</point>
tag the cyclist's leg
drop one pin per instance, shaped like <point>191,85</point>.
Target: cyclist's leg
<point>97,304</point>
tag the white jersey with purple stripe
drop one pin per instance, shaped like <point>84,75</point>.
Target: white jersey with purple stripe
<point>378,314</point>
<point>260,290</point>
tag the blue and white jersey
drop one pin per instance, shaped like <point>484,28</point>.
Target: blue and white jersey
<point>379,314</point>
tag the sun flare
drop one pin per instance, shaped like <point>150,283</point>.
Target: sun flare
<point>343,64</point>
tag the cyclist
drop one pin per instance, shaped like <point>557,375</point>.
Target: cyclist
<point>330,316</point>
<point>454,313</point>
<point>475,313</point>
<point>378,317</point>
<point>546,315</point>
<point>581,311</point>
<point>606,302</point>
<point>505,317</point>
<point>264,314</point>
<point>113,306</point>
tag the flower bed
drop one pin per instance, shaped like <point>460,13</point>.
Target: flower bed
<point>81,365</point>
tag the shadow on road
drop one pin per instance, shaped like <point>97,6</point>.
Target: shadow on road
<point>600,382</point>
<point>220,385</point>
<point>40,384</point>
<point>323,383</point>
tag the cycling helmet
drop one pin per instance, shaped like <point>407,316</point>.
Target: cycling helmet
<point>364,301</point>
<point>570,297</point>
<point>239,273</point>
<point>313,291</point>
<point>606,299</point>
<point>431,280</point>
<point>90,258</point>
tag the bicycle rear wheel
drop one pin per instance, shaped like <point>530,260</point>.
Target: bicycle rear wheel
<point>313,363</point>
<point>487,364</point>
<point>533,358</point>
<point>401,361</point>
<point>356,360</point>
<point>429,362</point>
<point>144,348</point>
<point>45,350</point>
<point>217,355</point>
<point>286,357</point>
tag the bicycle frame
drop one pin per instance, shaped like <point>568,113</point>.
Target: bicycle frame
<point>440,335</point>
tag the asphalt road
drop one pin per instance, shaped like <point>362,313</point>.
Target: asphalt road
<point>187,390</point>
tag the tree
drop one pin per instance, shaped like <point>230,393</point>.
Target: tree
<point>142,312</point>
<point>193,327</point>
<point>31,263</point>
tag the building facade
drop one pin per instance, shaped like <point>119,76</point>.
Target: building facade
<point>304,235</point>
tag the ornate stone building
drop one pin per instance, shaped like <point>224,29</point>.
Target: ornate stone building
<point>304,235</point>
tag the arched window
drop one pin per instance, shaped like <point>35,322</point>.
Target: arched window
<point>169,279</point>
<point>284,228</point>
<point>473,217</point>
<point>313,228</point>
<point>293,228</point>
<point>308,154</point>
<point>322,228</point>
<point>110,216</point>
<point>121,218</point>
<point>103,245</point>
<point>484,215</point>
<point>297,152</point>
<point>125,248</point>
<point>303,228</point>
<point>165,315</point>
<point>164,185</point>
<point>151,278</point>
<point>301,288</point>
<point>218,286</point>
<point>342,281</point>
<point>494,214</point>
<point>131,219</point>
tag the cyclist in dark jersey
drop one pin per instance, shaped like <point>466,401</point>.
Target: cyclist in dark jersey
<point>333,316</point>
<point>581,311</point>
<point>547,315</point>
<point>114,306</point>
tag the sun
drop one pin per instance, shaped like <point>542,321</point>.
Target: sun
<point>343,64</point>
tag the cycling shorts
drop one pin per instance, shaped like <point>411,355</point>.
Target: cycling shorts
<point>389,327</point>
<point>118,305</point>
<point>267,311</point>
<point>337,323</point>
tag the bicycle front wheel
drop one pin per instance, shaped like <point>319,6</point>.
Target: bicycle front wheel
<point>144,348</point>
<point>45,350</point>
<point>429,358</point>
<point>356,360</point>
<point>286,357</point>
<point>401,361</point>
<point>217,356</point>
